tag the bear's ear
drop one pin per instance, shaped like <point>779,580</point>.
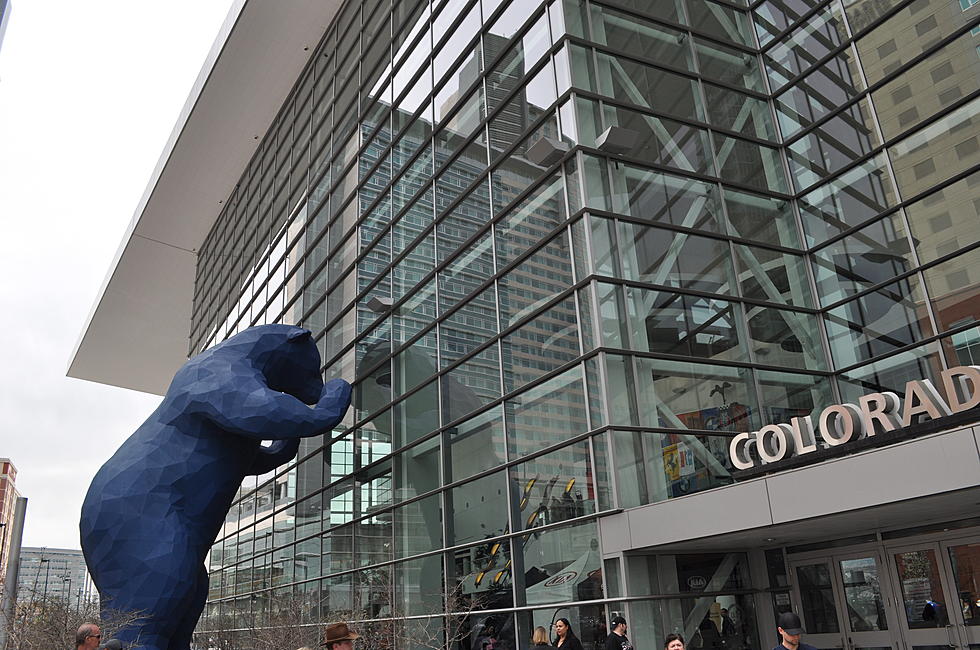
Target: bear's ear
<point>299,335</point>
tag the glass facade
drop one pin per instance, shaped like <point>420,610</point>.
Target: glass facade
<point>540,330</point>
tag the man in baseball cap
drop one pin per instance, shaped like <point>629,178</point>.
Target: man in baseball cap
<point>339,637</point>
<point>617,635</point>
<point>790,629</point>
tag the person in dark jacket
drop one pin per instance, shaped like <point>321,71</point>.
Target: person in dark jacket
<point>565,638</point>
<point>617,636</point>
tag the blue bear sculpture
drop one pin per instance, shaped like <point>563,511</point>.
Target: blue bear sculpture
<point>154,509</point>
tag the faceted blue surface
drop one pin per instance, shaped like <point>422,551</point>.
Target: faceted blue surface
<point>155,507</point>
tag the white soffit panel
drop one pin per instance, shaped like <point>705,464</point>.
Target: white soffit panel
<point>138,332</point>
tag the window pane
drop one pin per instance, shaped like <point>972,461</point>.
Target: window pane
<point>940,150</point>
<point>675,259</point>
<point>872,255</point>
<point>945,221</point>
<point>681,395</point>
<point>652,467</point>
<point>877,323</point>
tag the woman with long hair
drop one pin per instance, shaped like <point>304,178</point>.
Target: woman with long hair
<point>540,639</point>
<point>566,639</point>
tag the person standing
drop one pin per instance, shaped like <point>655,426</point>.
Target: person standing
<point>566,639</point>
<point>338,636</point>
<point>88,637</point>
<point>539,640</point>
<point>790,629</point>
<point>617,636</point>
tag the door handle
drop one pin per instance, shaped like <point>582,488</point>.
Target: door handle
<point>949,636</point>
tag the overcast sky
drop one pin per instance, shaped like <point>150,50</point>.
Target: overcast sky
<point>89,92</point>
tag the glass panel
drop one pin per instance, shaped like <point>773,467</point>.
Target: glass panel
<point>965,561</point>
<point>872,255</point>
<point>740,113</point>
<point>944,77</point>
<point>476,445</point>
<point>963,348</point>
<point>776,277</point>
<point>848,200</point>
<point>554,487</point>
<point>761,218</point>
<point>862,595</point>
<point>833,145</point>
<point>652,467</point>
<point>541,345</point>
<point>877,323</point>
<point>662,141</point>
<point>945,221</point>
<point>721,22</point>
<point>940,150</point>
<point>418,526</point>
<point>817,595</point>
<point>891,374</point>
<point>785,395</point>
<point>752,164</point>
<point>562,564</point>
<point>640,38</point>
<point>665,198</point>
<point>675,259</point>
<point>784,338</point>
<point>728,65</point>
<point>690,326</point>
<point>649,87</point>
<point>908,33</point>
<point>479,509</point>
<point>922,591</point>
<point>547,414</point>
<point>797,52</point>
<point>822,91</point>
<point>953,287</point>
<point>682,395</point>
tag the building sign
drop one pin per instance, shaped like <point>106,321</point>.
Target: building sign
<point>839,424</point>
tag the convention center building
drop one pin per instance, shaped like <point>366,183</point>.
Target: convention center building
<point>660,308</point>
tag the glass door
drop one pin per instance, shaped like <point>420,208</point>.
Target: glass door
<point>816,594</point>
<point>963,558</point>
<point>923,592</point>
<point>864,602</point>
<point>844,602</point>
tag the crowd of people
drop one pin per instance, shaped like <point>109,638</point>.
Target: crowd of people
<point>339,636</point>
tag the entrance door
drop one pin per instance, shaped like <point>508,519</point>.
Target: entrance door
<point>843,601</point>
<point>963,560</point>
<point>923,591</point>
<point>816,592</point>
<point>865,602</point>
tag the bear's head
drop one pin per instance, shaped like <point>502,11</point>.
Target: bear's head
<point>286,355</point>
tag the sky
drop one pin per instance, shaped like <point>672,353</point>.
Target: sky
<point>89,93</point>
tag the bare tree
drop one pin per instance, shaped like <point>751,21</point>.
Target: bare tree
<point>51,622</point>
<point>298,620</point>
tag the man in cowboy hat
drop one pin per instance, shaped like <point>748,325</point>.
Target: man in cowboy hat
<point>339,637</point>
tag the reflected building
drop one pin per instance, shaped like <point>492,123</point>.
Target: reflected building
<point>54,575</point>
<point>570,254</point>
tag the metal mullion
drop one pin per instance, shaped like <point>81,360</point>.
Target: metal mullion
<point>694,231</point>
<point>703,361</point>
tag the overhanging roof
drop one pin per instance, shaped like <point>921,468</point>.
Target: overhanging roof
<point>138,331</point>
